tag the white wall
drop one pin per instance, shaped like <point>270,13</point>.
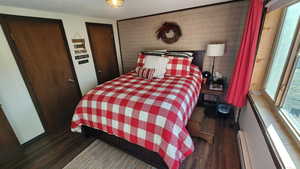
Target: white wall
<point>18,107</point>
<point>14,97</point>
<point>259,152</point>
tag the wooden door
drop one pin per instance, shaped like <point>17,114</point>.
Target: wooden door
<point>104,52</point>
<point>10,148</point>
<point>43,57</point>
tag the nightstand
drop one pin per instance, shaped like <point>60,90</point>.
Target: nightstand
<point>210,99</point>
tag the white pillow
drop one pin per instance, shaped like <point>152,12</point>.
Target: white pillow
<point>158,63</point>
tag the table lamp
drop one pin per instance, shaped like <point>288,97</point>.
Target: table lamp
<point>215,50</point>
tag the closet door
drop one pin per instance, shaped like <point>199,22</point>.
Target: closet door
<point>104,52</point>
<point>43,57</point>
<point>10,148</point>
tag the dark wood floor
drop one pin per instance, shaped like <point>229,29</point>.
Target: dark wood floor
<point>222,154</point>
<point>51,152</point>
<point>57,150</point>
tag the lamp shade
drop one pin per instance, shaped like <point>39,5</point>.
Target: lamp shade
<point>215,50</point>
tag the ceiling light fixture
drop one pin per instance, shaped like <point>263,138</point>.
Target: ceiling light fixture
<point>115,3</point>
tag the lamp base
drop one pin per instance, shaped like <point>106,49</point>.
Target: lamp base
<point>213,69</point>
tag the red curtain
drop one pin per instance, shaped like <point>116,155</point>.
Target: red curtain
<point>240,81</point>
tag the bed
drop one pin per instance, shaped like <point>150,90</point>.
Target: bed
<point>145,118</point>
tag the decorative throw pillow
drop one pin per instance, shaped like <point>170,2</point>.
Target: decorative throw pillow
<point>140,60</point>
<point>158,63</point>
<point>155,52</point>
<point>178,66</point>
<point>145,72</point>
<point>180,54</point>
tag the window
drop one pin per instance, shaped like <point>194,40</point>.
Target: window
<point>283,79</point>
<point>282,49</point>
<point>291,104</point>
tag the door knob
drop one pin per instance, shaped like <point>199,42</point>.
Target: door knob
<point>71,80</point>
<point>99,71</point>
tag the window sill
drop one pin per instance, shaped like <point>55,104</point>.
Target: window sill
<point>283,146</point>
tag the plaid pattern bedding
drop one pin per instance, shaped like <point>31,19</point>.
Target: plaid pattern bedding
<point>178,66</point>
<point>140,60</point>
<point>150,113</point>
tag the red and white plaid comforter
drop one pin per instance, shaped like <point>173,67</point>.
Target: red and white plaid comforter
<point>150,113</point>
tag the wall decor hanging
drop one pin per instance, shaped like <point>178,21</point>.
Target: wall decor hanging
<point>169,32</point>
<point>80,49</point>
<point>79,46</point>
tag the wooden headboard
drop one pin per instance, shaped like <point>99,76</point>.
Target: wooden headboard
<point>198,56</point>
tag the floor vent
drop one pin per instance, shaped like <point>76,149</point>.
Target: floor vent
<point>244,153</point>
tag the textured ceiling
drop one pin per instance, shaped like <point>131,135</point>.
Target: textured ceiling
<point>98,8</point>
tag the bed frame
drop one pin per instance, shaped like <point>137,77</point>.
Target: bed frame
<point>135,150</point>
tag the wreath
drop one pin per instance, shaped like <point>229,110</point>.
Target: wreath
<point>169,32</point>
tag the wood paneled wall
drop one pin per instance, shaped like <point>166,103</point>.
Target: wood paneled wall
<point>199,26</point>
<point>264,53</point>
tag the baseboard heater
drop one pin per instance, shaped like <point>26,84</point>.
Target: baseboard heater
<point>244,152</point>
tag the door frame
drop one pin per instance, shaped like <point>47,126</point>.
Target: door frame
<point>91,46</point>
<point>4,24</point>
